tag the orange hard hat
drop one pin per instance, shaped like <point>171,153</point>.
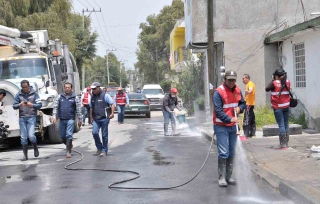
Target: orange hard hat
<point>174,90</point>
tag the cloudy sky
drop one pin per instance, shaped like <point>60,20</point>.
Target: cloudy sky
<point>118,23</point>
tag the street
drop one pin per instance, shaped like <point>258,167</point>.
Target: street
<point>137,145</point>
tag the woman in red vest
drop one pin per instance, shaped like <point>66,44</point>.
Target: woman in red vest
<point>280,102</point>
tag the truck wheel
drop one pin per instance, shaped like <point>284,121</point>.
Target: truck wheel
<point>54,134</point>
<point>76,126</point>
<point>148,115</point>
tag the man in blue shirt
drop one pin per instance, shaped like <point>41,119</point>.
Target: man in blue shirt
<point>66,108</point>
<point>101,111</point>
<point>28,102</point>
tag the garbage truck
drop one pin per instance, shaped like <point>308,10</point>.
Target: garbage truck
<point>47,65</point>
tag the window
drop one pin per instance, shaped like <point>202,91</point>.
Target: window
<point>24,68</point>
<point>300,65</point>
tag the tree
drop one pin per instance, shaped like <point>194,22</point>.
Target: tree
<point>96,71</point>
<point>56,17</point>
<point>153,55</point>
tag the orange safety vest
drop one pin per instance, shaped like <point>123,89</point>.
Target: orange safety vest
<point>230,101</point>
<point>282,101</point>
<point>85,100</point>
<point>121,99</point>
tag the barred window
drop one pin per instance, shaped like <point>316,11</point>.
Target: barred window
<point>300,65</point>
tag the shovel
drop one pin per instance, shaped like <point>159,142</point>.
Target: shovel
<point>242,137</point>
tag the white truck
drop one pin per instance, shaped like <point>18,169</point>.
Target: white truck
<point>154,94</point>
<point>46,64</point>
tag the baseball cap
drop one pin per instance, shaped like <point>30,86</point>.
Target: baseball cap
<point>95,84</point>
<point>231,75</point>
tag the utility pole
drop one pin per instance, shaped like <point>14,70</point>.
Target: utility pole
<point>120,71</point>
<point>210,53</point>
<point>157,65</point>
<point>83,70</point>
<point>108,65</point>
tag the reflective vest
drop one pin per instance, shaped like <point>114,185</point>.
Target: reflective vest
<point>282,101</point>
<point>85,100</point>
<point>230,101</point>
<point>121,99</point>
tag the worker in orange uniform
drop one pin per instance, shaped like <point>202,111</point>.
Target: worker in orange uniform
<point>249,121</point>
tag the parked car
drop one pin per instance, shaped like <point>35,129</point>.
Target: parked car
<point>138,104</point>
<point>155,95</point>
<point>112,93</point>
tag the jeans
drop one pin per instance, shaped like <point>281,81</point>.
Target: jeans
<point>66,128</point>
<point>226,140</point>
<point>168,116</point>
<point>86,113</point>
<point>282,118</point>
<point>27,129</point>
<point>121,110</point>
<point>103,124</point>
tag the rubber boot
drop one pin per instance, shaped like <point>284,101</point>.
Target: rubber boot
<point>174,127</point>
<point>166,129</point>
<point>229,169</point>
<point>35,148</point>
<point>222,172</point>
<point>69,147</point>
<point>287,139</point>
<point>25,152</point>
<point>282,138</point>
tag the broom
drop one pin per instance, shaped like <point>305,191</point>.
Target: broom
<point>242,137</point>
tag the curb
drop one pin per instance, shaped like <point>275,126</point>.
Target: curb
<point>286,189</point>
<point>291,192</point>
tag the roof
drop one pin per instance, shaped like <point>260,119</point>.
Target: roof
<point>285,34</point>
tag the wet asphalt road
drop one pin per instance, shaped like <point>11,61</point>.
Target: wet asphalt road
<point>137,145</point>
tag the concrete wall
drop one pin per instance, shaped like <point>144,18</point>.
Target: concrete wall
<point>310,95</point>
<point>244,53</point>
<point>243,25</point>
<point>195,14</point>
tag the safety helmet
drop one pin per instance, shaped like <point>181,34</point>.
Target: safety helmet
<point>174,90</point>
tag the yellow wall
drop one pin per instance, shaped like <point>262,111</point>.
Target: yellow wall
<point>177,39</point>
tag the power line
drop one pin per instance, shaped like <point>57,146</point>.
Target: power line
<point>106,28</point>
<point>88,3</point>
<point>100,28</point>
<point>82,3</point>
<point>96,3</point>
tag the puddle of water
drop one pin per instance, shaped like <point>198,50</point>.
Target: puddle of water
<point>13,178</point>
<point>17,178</point>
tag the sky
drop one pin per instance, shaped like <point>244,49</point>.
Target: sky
<point>118,24</point>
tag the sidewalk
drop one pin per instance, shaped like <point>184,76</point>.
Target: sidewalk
<point>295,172</point>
